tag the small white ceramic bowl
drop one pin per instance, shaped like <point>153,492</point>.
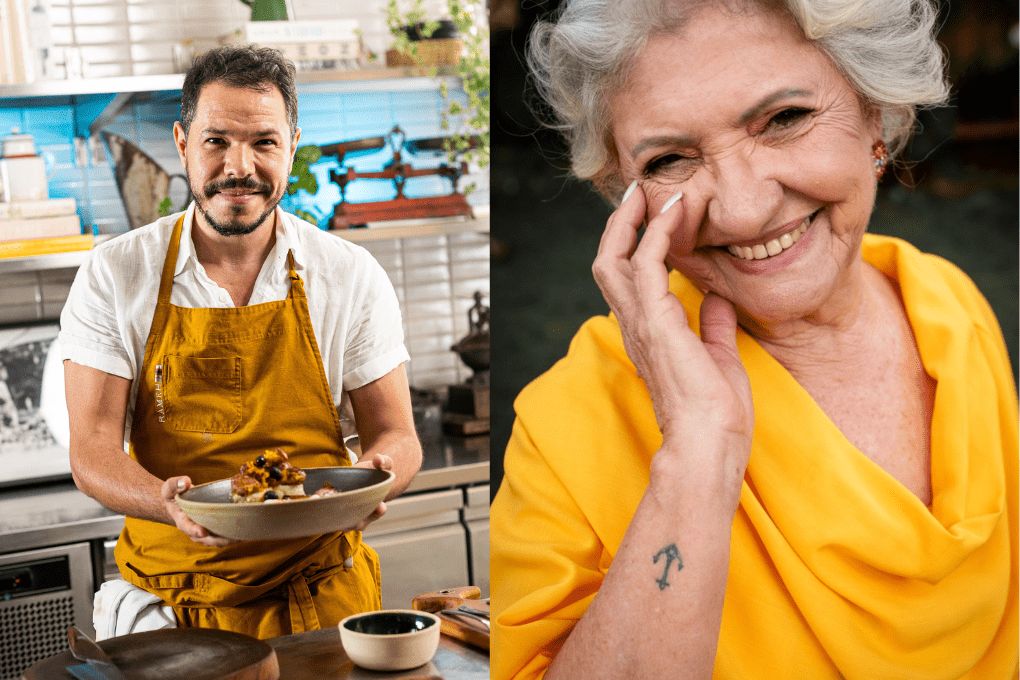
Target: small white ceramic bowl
<point>391,639</point>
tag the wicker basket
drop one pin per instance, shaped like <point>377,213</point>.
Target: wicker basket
<point>438,52</point>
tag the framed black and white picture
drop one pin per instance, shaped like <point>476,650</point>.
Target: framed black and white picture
<point>32,411</point>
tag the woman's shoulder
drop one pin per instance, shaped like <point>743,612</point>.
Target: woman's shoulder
<point>930,279</point>
<point>591,399</point>
<point>595,359</point>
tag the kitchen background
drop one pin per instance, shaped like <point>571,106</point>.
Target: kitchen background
<point>113,66</point>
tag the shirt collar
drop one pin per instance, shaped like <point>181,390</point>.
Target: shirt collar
<point>285,240</point>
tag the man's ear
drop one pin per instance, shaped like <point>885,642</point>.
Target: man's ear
<point>180,140</point>
<point>293,149</point>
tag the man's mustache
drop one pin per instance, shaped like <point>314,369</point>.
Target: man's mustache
<point>248,184</point>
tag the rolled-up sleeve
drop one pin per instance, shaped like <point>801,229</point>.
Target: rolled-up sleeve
<point>89,331</point>
<point>375,345</point>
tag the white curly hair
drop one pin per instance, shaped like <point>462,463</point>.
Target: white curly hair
<point>885,48</point>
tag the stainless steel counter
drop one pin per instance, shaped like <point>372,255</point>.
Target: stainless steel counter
<point>58,513</point>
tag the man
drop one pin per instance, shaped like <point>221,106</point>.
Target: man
<point>193,340</point>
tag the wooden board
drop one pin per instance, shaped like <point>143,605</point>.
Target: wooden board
<point>319,655</point>
<point>191,653</point>
<point>464,425</point>
<point>460,628</point>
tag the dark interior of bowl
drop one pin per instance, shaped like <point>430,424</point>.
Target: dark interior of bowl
<point>342,479</point>
<point>389,623</point>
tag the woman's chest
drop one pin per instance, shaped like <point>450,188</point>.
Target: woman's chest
<point>886,414</point>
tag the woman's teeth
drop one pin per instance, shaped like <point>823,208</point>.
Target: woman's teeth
<point>773,247</point>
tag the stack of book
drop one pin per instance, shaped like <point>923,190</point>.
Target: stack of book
<point>313,45</point>
<point>41,227</point>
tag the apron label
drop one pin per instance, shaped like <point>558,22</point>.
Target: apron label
<point>160,406</point>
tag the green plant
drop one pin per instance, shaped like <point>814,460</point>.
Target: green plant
<point>470,141</point>
<point>301,177</point>
<point>396,21</point>
<point>165,206</point>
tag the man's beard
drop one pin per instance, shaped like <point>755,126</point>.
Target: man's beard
<point>233,228</point>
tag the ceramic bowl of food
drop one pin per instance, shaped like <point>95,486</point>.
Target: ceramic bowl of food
<point>391,639</point>
<point>358,492</point>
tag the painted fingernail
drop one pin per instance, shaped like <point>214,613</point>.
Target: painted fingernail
<point>672,201</point>
<point>628,192</point>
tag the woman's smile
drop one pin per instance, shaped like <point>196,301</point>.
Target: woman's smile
<point>770,247</point>
<point>790,247</point>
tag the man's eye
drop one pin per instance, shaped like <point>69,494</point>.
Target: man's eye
<point>787,118</point>
<point>266,142</point>
<point>214,140</point>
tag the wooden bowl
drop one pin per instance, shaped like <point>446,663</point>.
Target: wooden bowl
<point>391,639</point>
<point>361,490</point>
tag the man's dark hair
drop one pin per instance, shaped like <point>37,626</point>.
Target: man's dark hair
<point>255,68</point>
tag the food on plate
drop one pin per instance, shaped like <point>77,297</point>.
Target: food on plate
<point>269,477</point>
<point>327,489</point>
<point>272,478</point>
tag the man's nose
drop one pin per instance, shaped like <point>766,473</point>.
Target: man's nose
<point>745,197</point>
<point>239,161</point>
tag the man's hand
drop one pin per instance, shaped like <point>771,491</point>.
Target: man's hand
<point>196,532</point>
<point>379,461</point>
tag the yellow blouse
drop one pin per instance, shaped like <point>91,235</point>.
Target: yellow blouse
<point>836,568</point>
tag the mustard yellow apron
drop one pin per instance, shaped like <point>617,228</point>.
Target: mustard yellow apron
<point>232,382</point>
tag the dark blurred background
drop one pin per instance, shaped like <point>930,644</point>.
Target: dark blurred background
<point>958,199</point>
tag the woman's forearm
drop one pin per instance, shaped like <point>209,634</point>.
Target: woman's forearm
<point>658,612</point>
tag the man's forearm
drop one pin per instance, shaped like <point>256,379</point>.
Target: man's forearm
<point>117,481</point>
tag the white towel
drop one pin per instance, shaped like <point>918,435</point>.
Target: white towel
<point>120,608</point>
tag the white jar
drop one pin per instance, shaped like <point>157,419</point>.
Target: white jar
<point>17,145</point>
<point>23,179</point>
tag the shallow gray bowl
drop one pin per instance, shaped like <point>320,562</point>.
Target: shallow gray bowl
<point>361,490</point>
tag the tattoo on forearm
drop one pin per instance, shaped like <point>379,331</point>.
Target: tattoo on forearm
<point>671,553</point>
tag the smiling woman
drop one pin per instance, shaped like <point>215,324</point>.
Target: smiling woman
<point>791,450</point>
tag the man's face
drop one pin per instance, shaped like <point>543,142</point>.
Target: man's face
<point>237,156</point>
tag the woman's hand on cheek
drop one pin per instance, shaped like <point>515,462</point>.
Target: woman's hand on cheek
<point>698,385</point>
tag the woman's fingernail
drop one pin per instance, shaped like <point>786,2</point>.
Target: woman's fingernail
<point>672,201</point>
<point>628,192</point>
<point>180,485</point>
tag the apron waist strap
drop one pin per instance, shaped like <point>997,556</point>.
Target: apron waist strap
<point>303,616</point>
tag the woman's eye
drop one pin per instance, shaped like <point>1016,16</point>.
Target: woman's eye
<point>667,162</point>
<point>787,118</point>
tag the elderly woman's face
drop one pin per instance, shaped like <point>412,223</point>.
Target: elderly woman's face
<point>765,138</point>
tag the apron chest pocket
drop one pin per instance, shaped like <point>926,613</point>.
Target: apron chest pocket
<point>203,394</point>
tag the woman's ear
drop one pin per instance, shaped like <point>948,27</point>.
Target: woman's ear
<point>873,118</point>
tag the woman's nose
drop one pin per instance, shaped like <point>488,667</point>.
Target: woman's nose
<point>745,197</point>
<point>239,161</point>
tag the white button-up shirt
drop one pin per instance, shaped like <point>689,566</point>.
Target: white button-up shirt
<point>354,311</point>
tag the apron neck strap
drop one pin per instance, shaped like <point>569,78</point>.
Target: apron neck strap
<point>297,286</point>
<point>166,281</point>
